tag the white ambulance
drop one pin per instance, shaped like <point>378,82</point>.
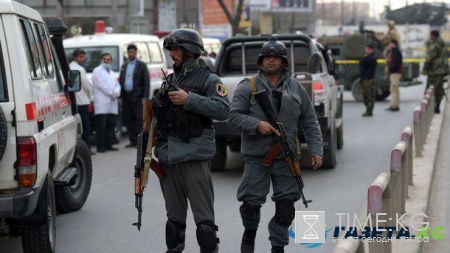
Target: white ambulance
<point>44,166</point>
<point>149,51</point>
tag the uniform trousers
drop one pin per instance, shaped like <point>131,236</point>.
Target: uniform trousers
<point>255,186</point>
<point>190,180</point>
<point>395,93</point>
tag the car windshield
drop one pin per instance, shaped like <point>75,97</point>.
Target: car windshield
<point>93,57</point>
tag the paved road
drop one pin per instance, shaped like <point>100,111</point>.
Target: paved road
<point>104,223</point>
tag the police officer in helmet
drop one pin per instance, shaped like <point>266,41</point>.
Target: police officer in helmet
<point>184,108</point>
<point>292,107</point>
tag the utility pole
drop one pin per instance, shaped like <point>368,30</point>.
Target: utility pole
<point>342,12</point>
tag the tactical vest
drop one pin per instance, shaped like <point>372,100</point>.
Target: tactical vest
<point>174,120</point>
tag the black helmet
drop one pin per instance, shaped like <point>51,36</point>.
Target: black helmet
<point>273,47</point>
<point>186,38</point>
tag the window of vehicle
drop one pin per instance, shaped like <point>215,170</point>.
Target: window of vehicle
<point>142,52</point>
<point>47,62</point>
<point>93,56</point>
<point>31,49</point>
<point>155,52</point>
<point>3,87</point>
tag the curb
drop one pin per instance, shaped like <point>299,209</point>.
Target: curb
<point>423,177</point>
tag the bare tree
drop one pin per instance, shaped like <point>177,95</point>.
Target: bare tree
<point>234,21</point>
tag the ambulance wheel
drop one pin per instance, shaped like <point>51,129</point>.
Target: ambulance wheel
<point>41,238</point>
<point>3,133</point>
<point>72,197</point>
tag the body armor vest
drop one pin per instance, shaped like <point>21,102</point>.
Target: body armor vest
<point>174,120</point>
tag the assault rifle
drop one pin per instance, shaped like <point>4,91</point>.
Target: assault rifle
<point>263,99</point>
<point>144,161</point>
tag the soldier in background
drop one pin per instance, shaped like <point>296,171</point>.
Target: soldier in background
<point>436,66</point>
<point>391,34</point>
<point>367,67</point>
<point>395,68</point>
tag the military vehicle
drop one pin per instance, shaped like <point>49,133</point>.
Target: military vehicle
<point>347,50</point>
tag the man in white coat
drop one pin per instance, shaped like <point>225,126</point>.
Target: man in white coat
<point>106,107</point>
<point>84,96</point>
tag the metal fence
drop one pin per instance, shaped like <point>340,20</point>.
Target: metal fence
<point>388,192</point>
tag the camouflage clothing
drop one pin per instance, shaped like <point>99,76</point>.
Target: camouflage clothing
<point>367,92</point>
<point>436,66</point>
<point>436,60</point>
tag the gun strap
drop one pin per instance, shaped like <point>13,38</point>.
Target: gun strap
<point>253,85</point>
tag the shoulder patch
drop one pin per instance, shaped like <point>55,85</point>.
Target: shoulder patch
<point>221,89</point>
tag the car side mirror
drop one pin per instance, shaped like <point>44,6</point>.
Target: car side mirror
<point>74,81</point>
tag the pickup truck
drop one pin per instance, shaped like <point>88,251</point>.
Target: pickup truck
<point>310,62</point>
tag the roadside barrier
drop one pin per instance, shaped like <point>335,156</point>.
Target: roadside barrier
<point>388,192</point>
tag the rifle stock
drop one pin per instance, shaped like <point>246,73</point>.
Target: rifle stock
<point>263,99</point>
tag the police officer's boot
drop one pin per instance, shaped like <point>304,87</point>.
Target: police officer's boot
<point>277,249</point>
<point>175,236</point>
<point>248,241</point>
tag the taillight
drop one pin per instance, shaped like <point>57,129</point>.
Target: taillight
<point>317,86</point>
<point>26,161</point>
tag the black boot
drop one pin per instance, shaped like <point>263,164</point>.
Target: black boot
<point>248,241</point>
<point>277,249</point>
<point>437,109</point>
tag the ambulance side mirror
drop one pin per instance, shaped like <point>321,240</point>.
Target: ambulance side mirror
<point>74,81</point>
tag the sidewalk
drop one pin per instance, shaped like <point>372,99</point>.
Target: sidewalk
<point>439,206</point>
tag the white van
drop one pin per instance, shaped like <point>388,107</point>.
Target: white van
<point>149,51</point>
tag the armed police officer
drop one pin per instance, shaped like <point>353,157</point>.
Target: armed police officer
<point>189,100</point>
<point>292,107</point>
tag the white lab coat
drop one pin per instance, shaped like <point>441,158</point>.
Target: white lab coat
<point>84,96</point>
<point>106,91</point>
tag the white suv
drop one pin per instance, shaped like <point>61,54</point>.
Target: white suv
<point>44,167</point>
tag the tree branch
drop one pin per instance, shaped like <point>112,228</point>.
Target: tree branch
<point>226,11</point>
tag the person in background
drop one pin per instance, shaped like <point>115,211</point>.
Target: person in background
<point>436,67</point>
<point>106,106</point>
<point>135,85</point>
<point>367,67</point>
<point>84,96</point>
<point>395,67</point>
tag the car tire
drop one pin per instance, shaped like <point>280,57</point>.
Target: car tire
<point>330,151</point>
<point>220,158</point>
<point>42,238</point>
<point>3,133</point>
<point>72,197</point>
<point>356,90</point>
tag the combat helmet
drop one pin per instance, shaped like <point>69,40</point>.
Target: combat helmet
<point>273,47</point>
<point>186,38</point>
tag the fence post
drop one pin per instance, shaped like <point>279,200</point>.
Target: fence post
<point>417,132</point>
<point>397,197</point>
<point>376,204</point>
<point>423,120</point>
<point>407,137</point>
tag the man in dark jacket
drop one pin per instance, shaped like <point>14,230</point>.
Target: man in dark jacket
<point>395,65</point>
<point>368,66</point>
<point>135,84</point>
